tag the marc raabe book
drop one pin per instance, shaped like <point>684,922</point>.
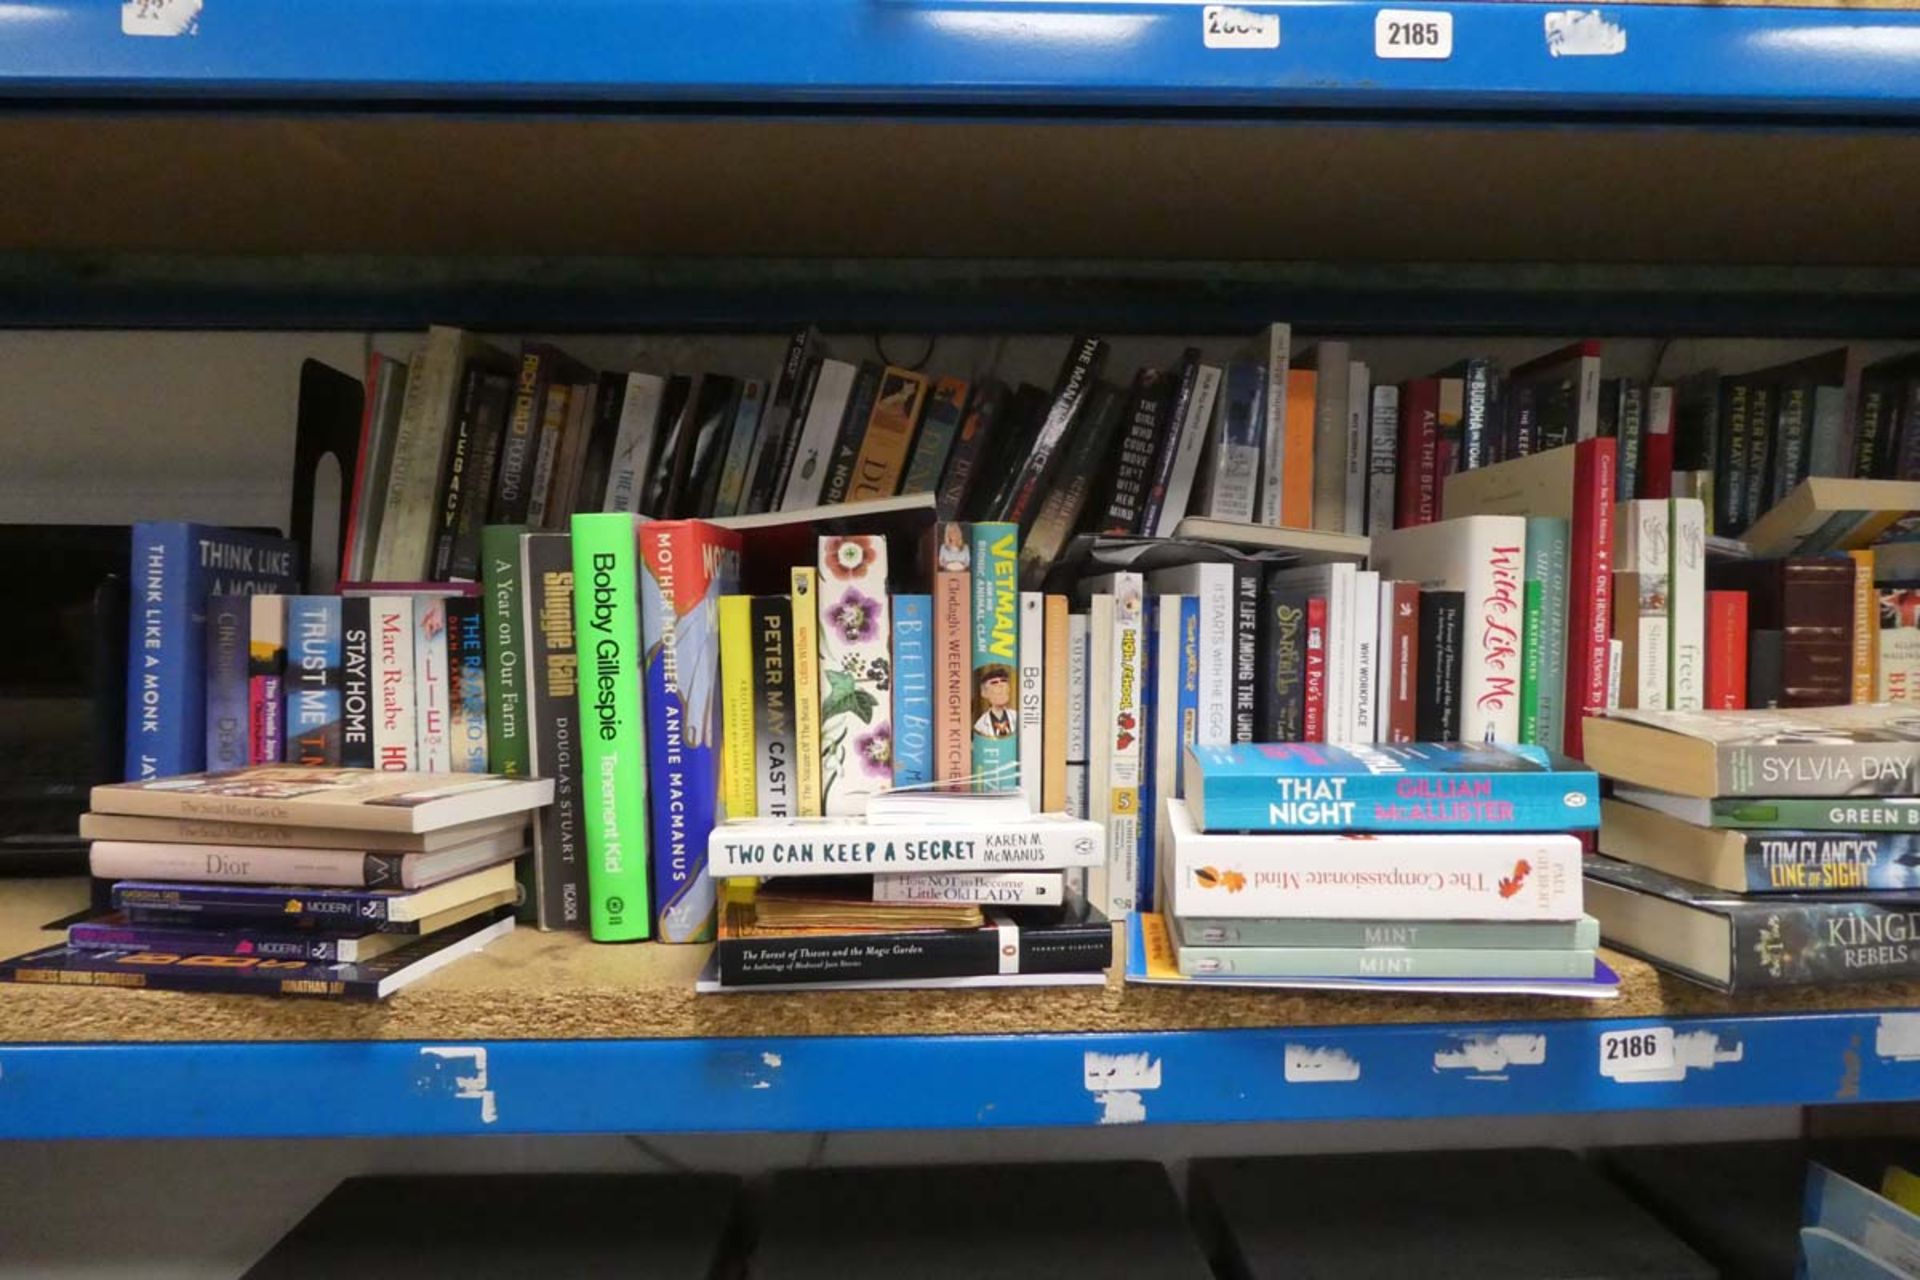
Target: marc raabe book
<point>1416,787</point>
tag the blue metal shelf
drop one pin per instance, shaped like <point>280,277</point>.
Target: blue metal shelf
<point>889,53</point>
<point>833,1083</point>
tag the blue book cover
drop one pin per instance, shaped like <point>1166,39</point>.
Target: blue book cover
<point>912,690</point>
<point>1830,861</point>
<point>175,568</point>
<point>1852,1213</point>
<point>312,691</point>
<point>467,685</point>
<point>227,717</point>
<point>1189,685</point>
<point>1415,787</point>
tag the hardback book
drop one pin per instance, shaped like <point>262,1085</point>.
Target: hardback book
<point>1543,668</point>
<point>1726,651</point>
<point>1642,591</point>
<point>396,740</point>
<point>994,556</point>
<point>375,978</point>
<point>1866,625</point>
<point>486,395</point>
<point>1441,639</point>
<point>881,461</point>
<point>1687,604</point>
<point>352,868</point>
<point>1653,475</point>
<point>805,604</point>
<point>1484,558</point>
<point>1031,694</point>
<point>264,835</point>
<point>837,484</point>
<point>952,657</point>
<point>685,567</point>
<point>854,846</point>
<point>1871,750</point>
<point>1386,877</point>
<point>613,731</point>
<point>513,472</point>
<point>1809,600</point>
<point>1831,513</point>
<point>1204,960</point>
<point>266,672</point>
<point>356,683</point>
<point>939,425</point>
<point>1089,453</point>
<point>818,431</point>
<point>1330,362</point>
<point>307,904</point>
<point>639,431</point>
<point>503,638</point>
<point>780,424</point>
<point>312,684</point>
<point>466,686</point>
<point>1230,465</point>
<point>1769,861</point>
<point>1072,390</point>
<point>979,428</point>
<point>770,714</point>
<point>1298,471</point>
<point>1053,705</point>
<point>432,696</point>
<point>1738,943</point>
<point>1404,935</point>
<point>1014,940</point>
<point>991,888</point>
<point>552,711</point>
<point>1144,422</point>
<point>422,440</point>
<point>1272,349</point>
<point>116,932</point>
<point>854,681</point>
<point>1429,786</point>
<point>175,569</point>
<point>913,738</point>
<point>226,683</point>
<point>1212,584</point>
<point>379,423</point>
<point>1417,454</point>
<point>355,799</point>
<point>1383,451</point>
<point>1575,484</point>
<point>1359,425</point>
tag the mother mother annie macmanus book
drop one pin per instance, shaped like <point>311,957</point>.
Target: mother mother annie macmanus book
<point>360,799</point>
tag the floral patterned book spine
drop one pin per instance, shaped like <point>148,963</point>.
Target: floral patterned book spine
<point>856,674</point>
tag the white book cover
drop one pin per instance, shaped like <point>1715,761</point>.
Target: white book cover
<point>1688,605</point>
<point>1213,585</point>
<point>1100,676</point>
<point>1168,665</point>
<point>633,443</point>
<point>433,708</point>
<point>419,452</point>
<point>1383,661</point>
<point>1033,664</point>
<point>1336,583</point>
<point>1483,557</point>
<point>999,888</point>
<point>1277,344</point>
<point>850,846</point>
<point>1372,877</point>
<point>1077,714</point>
<point>1897,674</point>
<point>1192,443</point>
<point>1642,542</point>
<point>831,387</point>
<point>1330,362</point>
<point>396,740</point>
<point>1384,447</point>
<point>1359,425</point>
<point>1365,651</point>
<point>1126,755</point>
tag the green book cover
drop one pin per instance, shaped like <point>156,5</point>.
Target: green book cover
<point>1547,549</point>
<point>505,639</point>
<point>1432,963</point>
<point>1412,935</point>
<point>613,746</point>
<point>1530,647</point>
<point>996,654</point>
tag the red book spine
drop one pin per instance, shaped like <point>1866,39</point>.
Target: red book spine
<point>1726,650</point>
<point>358,493</point>
<point>1314,726</point>
<point>1417,495</point>
<point>1656,457</point>
<point>1403,662</point>
<point>1590,585</point>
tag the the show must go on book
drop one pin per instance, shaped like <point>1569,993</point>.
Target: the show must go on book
<point>1856,750</point>
<point>357,799</point>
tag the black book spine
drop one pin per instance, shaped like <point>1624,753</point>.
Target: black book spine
<point>1870,429</point>
<point>1436,706</point>
<point>1476,426</point>
<point>1760,429</point>
<point>1246,648</point>
<point>489,406</point>
<point>1907,462</point>
<point>1555,413</point>
<point>710,457</point>
<point>1790,441</point>
<point>304,907</point>
<point>1070,393</point>
<point>773,706</point>
<point>513,481</point>
<point>1169,443</point>
<point>458,474</point>
<point>1061,513</point>
<point>356,682</point>
<point>1793,942</point>
<point>853,430</point>
<point>1523,437</point>
<point>979,427</point>
<point>1633,434</point>
<point>676,451</point>
<point>597,466</point>
<point>763,488</point>
<point>1026,411</point>
<point>1283,709</point>
<point>1766,668</point>
<point>796,430</point>
<point>953,953</point>
<point>1125,493</point>
<point>1730,458</point>
<point>1609,423</point>
<point>560,861</point>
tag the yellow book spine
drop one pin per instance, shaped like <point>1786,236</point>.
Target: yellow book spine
<point>1866,626</point>
<point>806,692</point>
<point>736,705</point>
<point>1053,716</point>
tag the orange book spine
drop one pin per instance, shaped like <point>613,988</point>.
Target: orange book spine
<point>1296,466</point>
<point>1866,626</point>
<point>952,675</point>
<point>1053,749</point>
<point>882,459</point>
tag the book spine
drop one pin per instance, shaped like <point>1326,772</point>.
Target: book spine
<point>1298,471</point>
<point>1032,695</point>
<point>771,639</point>
<point>419,449</point>
<point>913,690</point>
<point>1730,457</point>
<point>1189,688</point>
<point>633,443</point>
<point>1077,675</point>
<point>730,496</point>
<point>1167,447</point>
<point>1866,623</point>
<point>1380,877</point>
<point>1686,608</point>
<point>1246,651</point>
<point>979,426</point>
<point>470,466</point>
<point>1363,652</point>
<point>952,675</point>
<point>541,512</point>
<point>1830,861</point>
<point>165,681</point>
<point>829,385</point>
<point>1053,709</point>
<point>996,650</point>
<point>356,682</point>
<point>1432,964</point>
<point>856,699</point>
<point>779,424</point>
<point>1404,935</point>
<point>553,729</point>
<point>851,847</point>
<point>741,753</point>
<point>1766,662</point>
<point>1590,582</point>
<point>1547,548</point>
<point>395,736</point>
<point>1820,943</point>
<point>1071,393</point>
<point>312,691</point>
<point>748,962</point>
<point>1329,492</point>
<point>1726,650</point>
<point>1284,647</point>
<point>1643,594</point>
<point>855,423</point>
<point>882,458</point>
<point>1383,459</point>
<point>433,709</point>
<point>939,424</point>
<point>1234,458</point>
<point>1313,717</point>
<point>1178,497</point>
<point>686,567</point>
<point>1476,414</point>
<point>1790,442</point>
<point>226,682</point>
<point>1490,666</point>
<point>1406,803</point>
<point>266,670</point>
<point>806,691</point>
<point>1897,665</point>
<point>1125,495</point>
<point>229,864</point>
<point>997,888</point>
<point>96,935</point>
<point>331,905</point>
<point>1273,413</point>
<point>513,478</point>
<point>1100,696</point>
<point>613,746</point>
<point>1418,497</point>
<point>1654,476</point>
<point>467,685</point>
<point>503,591</point>
<point>1359,421</point>
<point>1632,436</point>
<point>1126,750</point>
<point>1794,770</point>
<point>1761,413</point>
<point>1532,642</point>
<point>1448,421</point>
<point>1437,701</point>
<point>366,469</point>
<point>1402,664</point>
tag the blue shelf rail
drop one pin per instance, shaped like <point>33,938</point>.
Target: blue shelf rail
<point>843,1083</point>
<point>944,54</point>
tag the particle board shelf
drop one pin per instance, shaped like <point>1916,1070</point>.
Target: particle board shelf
<point>540,1024</point>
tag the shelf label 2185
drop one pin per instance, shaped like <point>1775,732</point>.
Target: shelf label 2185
<point>1413,33</point>
<point>1638,1052</point>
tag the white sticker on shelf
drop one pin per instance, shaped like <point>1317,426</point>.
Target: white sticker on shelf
<point>1103,1071</point>
<point>1413,33</point>
<point>1584,33</point>
<point>468,1088</point>
<point>1897,1036</point>
<point>1228,26</point>
<point>1640,1052</point>
<point>1306,1064</point>
<point>159,17</point>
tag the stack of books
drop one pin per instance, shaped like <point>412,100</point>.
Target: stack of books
<point>1450,865</point>
<point>927,889</point>
<point>292,881</point>
<point>1753,849</point>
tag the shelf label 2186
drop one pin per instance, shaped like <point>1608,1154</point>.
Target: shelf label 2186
<point>1413,33</point>
<point>1638,1052</point>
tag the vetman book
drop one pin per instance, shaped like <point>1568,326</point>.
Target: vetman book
<point>840,846</point>
<point>1416,787</point>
